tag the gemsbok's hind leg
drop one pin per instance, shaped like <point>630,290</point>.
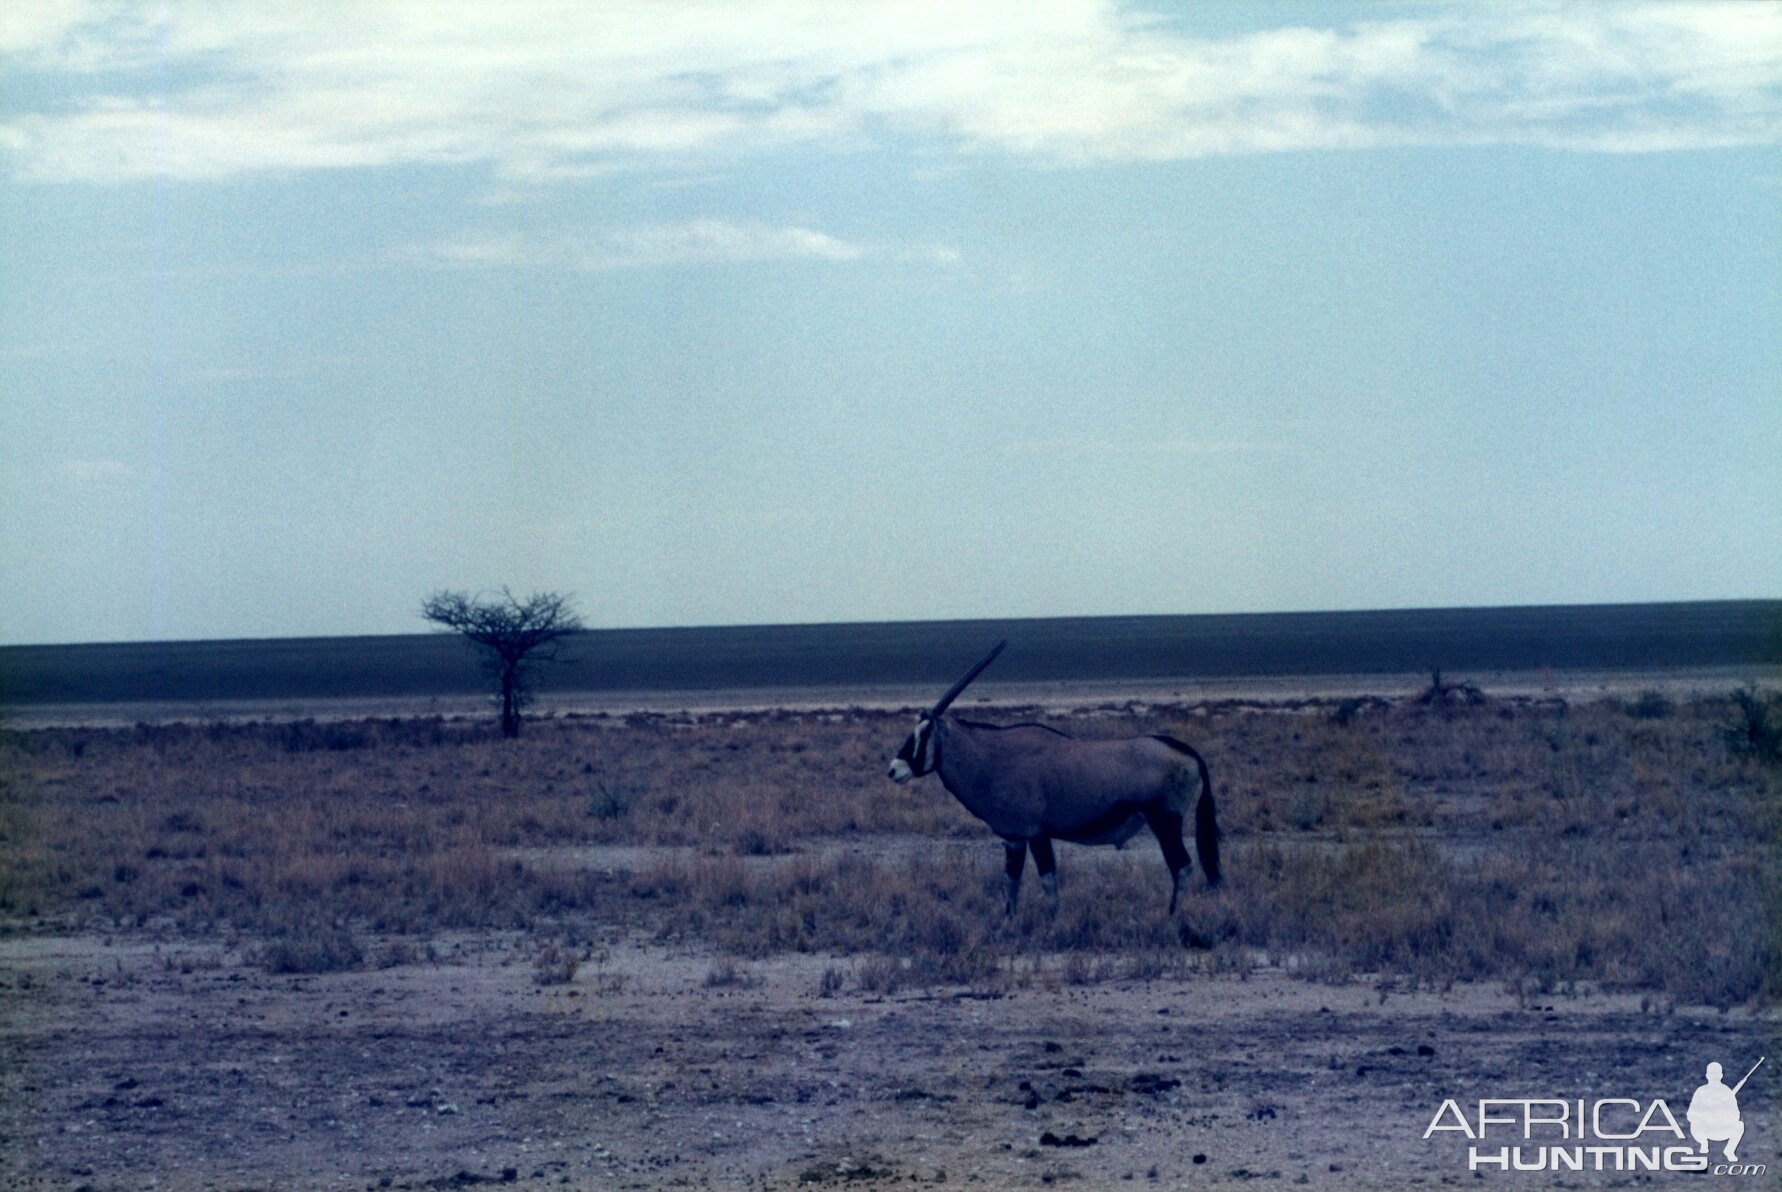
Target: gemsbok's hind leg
<point>1047,864</point>
<point>1166,825</point>
<point>1014,854</point>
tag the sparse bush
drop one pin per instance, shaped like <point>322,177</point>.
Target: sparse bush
<point>555,965</point>
<point>312,944</point>
<point>398,952</point>
<point>880,974</point>
<point>1081,969</point>
<point>724,974</point>
<point>1757,728</point>
<point>1443,694</point>
<point>610,800</point>
<point>1651,704</point>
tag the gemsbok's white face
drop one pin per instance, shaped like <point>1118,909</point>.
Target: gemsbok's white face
<point>921,751</point>
<point>916,758</point>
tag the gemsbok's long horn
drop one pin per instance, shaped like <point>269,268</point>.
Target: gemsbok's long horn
<point>953,692</point>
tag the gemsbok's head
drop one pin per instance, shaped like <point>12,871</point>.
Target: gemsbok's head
<point>921,750</point>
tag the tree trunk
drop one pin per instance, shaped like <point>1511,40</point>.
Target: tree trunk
<point>510,702</point>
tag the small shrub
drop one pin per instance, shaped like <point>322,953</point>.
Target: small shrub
<point>610,801</point>
<point>554,965</point>
<point>1755,734</point>
<point>396,953</point>
<point>1652,704</point>
<point>1081,969</point>
<point>722,883</point>
<point>726,975</point>
<point>832,981</point>
<point>312,945</point>
<point>1442,694</point>
<point>752,841</point>
<point>980,968</point>
<point>880,974</point>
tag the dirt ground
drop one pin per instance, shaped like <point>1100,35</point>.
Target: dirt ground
<point>131,1065</point>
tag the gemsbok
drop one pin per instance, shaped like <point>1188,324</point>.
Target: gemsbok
<point>1032,785</point>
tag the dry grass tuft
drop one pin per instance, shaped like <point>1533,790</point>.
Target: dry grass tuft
<point>311,943</point>
<point>555,964</point>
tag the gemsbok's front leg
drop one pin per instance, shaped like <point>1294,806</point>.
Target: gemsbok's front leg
<point>1014,860</point>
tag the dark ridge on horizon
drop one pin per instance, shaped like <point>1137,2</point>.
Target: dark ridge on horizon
<point>939,622</point>
<point>1201,645</point>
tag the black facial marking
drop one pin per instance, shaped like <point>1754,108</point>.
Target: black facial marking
<point>915,746</point>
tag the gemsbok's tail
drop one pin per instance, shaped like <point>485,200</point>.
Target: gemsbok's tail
<point>1206,823</point>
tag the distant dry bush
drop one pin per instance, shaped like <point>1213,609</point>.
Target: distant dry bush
<point>1756,731</point>
<point>1651,704</point>
<point>1533,843</point>
<point>309,942</point>
<point>555,964</point>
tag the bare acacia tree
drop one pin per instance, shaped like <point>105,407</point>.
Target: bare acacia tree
<point>513,633</point>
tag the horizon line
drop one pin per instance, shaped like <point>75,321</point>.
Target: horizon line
<point>936,621</point>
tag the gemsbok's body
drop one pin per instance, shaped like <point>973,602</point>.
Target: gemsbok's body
<point>1033,785</point>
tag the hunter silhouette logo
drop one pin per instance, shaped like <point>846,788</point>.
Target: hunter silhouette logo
<point>1607,1134</point>
<point>1714,1113</point>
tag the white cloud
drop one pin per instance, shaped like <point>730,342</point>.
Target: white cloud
<point>640,246</point>
<point>559,89</point>
<point>43,27</point>
<point>656,244</point>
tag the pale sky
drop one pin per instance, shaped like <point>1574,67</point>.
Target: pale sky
<point>727,313</point>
